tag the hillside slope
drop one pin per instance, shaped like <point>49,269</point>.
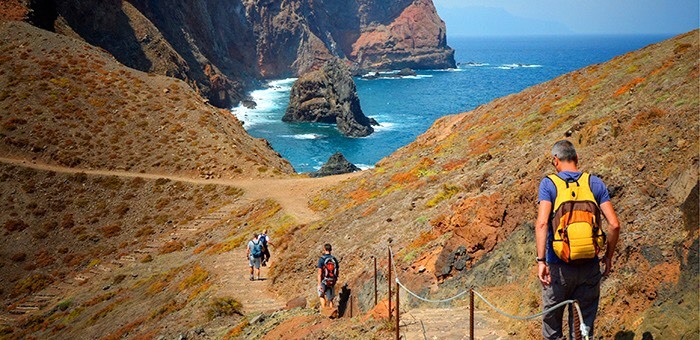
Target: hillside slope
<point>65,102</point>
<point>458,204</point>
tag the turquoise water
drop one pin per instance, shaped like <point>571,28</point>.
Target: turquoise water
<point>488,68</point>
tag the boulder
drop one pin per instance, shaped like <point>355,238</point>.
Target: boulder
<point>329,312</point>
<point>406,72</point>
<point>298,302</point>
<point>336,165</point>
<point>249,104</point>
<point>328,95</point>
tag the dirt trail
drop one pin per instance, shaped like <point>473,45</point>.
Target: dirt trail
<point>232,268</point>
<point>291,193</point>
<point>448,323</point>
<point>255,296</point>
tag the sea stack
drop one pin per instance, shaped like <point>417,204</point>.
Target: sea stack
<point>337,164</point>
<point>328,95</point>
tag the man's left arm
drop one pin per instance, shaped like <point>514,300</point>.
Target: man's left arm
<point>613,234</point>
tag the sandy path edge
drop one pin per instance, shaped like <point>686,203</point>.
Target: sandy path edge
<point>292,193</point>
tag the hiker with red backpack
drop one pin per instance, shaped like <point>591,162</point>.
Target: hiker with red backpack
<point>266,247</point>
<point>569,238</point>
<point>254,254</point>
<point>327,276</point>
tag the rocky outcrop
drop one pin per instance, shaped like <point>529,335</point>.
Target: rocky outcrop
<point>221,48</point>
<point>337,164</point>
<point>329,96</point>
<point>416,38</point>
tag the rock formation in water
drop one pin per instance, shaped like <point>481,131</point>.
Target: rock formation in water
<point>222,48</point>
<point>328,95</point>
<point>337,164</point>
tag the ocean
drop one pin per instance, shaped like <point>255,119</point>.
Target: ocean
<point>488,68</point>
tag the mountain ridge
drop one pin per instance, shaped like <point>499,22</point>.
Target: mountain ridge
<point>223,49</point>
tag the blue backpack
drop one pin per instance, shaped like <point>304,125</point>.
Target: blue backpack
<point>256,251</point>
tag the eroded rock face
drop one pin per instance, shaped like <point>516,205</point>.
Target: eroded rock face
<point>329,96</point>
<point>221,48</point>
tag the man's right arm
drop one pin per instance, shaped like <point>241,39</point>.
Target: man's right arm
<point>613,234</point>
<point>541,240</point>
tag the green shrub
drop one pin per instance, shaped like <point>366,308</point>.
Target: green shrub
<point>447,192</point>
<point>224,306</point>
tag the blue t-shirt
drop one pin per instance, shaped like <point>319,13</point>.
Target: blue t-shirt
<point>323,259</point>
<point>548,192</point>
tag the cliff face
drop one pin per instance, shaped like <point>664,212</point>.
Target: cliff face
<point>415,38</point>
<point>222,48</point>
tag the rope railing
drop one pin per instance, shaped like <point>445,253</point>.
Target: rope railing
<point>582,326</point>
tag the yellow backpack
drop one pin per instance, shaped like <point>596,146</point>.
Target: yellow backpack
<point>576,220</point>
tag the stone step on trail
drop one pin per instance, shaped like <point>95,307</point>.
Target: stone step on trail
<point>81,278</point>
<point>28,307</point>
<point>127,258</point>
<point>212,218</point>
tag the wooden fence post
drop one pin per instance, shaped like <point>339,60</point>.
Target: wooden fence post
<point>389,282</point>
<point>397,311</point>
<point>471,314</point>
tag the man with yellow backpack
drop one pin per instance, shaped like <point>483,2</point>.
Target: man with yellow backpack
<point>569,239</point>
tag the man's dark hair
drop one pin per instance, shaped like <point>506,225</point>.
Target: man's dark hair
<point>564,151</point>
<point>327,247</point>
<point>255,235</point>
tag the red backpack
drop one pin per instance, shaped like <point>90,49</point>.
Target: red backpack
<point>330,271</point>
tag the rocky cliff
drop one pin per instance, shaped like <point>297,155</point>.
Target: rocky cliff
<point>328,95</point>
<point>222,48</point>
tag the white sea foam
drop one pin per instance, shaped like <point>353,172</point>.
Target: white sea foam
<point>384,126</point>
<point>268,102</point>
<point>417,76</point>
<point>393,74</point>
<point>512,66</point>
<point>364,166</point>
<point>306,136</point>
<point>473,64</point>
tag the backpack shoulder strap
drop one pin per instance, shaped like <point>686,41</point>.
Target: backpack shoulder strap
<point>585,192</point>
<point>561,187</point>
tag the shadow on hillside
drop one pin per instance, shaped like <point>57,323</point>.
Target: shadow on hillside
<point>343,299</point>
<point>105,24</point>
<point>629,335</point>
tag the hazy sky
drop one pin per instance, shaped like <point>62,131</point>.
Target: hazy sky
<point>517,17</point>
